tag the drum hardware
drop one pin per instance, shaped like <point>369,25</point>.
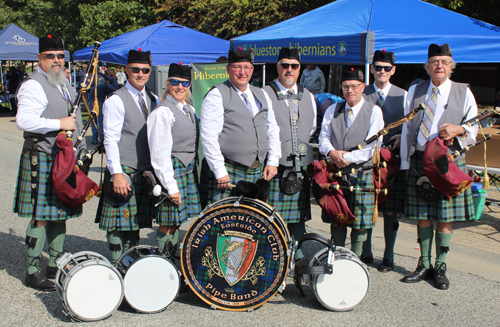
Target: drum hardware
<point>89,287</point>
<point>144,293</point>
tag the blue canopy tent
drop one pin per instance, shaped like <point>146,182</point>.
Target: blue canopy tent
<point>168,43</point>
<point>348,32</point>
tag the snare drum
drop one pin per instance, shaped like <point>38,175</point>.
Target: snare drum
<point>347,286</point>
<point>88,285</point>
<point>235,255</point>
<point>151,281</point>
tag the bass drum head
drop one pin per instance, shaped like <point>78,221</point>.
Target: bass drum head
<point>148,294</point>
<point>234,256</point>
<point>347,287</point>
<point>92,291</point>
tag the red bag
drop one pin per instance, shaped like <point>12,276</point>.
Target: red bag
<point>383,177</point>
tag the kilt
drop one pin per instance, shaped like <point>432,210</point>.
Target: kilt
<point>459,208</point>
<point>125,216</point>
<point>292,208</point>
<point>208,183</point>
<point>361,204</point>
<point>168,213</point>
<point>397,195</point>
<point>48,207</point>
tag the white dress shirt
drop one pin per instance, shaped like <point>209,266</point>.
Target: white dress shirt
<point>284,90</point>
<point>469,110</point>
<point>357,156</point>
<point>32,102</point>
<point>212,122</point>
<point>160,141</point>
<point>113,112</point>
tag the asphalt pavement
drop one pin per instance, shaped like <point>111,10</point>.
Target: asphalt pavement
<point>473,269</point>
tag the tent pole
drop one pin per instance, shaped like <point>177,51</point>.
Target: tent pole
<point>1,74</point>
<point>367,73</point>
<point>264,75</point>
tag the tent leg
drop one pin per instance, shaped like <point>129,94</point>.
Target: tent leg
<point>367,73</point>
<point>263,75</point>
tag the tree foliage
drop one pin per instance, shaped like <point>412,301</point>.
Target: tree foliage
<point>485,10</point>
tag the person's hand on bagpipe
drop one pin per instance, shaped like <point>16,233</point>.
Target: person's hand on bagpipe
<point>450,131</point>
<point>68,123</point>
<point>337,158</point>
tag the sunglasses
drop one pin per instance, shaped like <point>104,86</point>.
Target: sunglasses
<point>136,70</point>
<point>176,82</point>
<point>53,55</point>
<point>294,66</point>
<point>386,68</point>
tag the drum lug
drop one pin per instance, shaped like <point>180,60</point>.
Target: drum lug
<point>181,246</point>
<point>282,287</point>
<point>213,306</point>
<point>250,310</point>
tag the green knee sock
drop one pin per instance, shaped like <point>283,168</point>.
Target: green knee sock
<point>162,238</point>
<point>297,230</point>
<point>56,233</point>
<point>357,240</point>
<point>131,238</point>
<point>367,245</point>
<point>115,242</point>
<point>425,235</point>
<point>443,241</point>
<point>35,240</point>
<point>391,226</point>
<point>338,235</point>
<point>175,240</point>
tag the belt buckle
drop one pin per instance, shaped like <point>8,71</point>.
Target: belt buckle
<point>254,164</point>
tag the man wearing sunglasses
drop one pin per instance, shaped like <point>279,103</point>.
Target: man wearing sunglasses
<point>127,154</point>
<point>346,125</point>
<point>45,100</point>
<point>238,132</point>
<point>294,208</point>
<point>448,104</point>
<point>391,100</point>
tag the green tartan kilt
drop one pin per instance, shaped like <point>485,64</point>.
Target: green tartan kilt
<point>48,207</point>
<point>208,183</point>
<point>125,216</point>
<point>168,213</point>
<point>458,208</point>
<point>361,204</point>
<point>292,208</point>
<point>397,195</point>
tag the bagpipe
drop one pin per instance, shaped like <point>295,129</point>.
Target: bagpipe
<point>329,182</point>
<point>71,184</point>
<point>441,173</point>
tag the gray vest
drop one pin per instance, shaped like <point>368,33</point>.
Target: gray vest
<point>282,114</point>
<point>393,108</point>
<point>342,139</point>
<point>57,108</point>
<point>452,115</point>
<point>133,145</point>
<point>244,137</point>
<point>184,134</point>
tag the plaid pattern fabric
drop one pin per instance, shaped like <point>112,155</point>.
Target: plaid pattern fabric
<point>361,204</point>
<point>48,206</point>
<point>169,214</point>
<point>397,195</point>
<point>125,216</point>
<point>208,183</point>
<point>292,208</point>
<point>459,208</point>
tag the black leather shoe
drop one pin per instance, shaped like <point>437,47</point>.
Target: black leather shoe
<point>50,272</point>
<point>419,274</point>
<point>386,266</point>
<point>441,282</point>
<point>39,282</point>
<point>368,259</point>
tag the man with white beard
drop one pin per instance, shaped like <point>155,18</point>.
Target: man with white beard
<point>45,100</point>
<point>294,208</point>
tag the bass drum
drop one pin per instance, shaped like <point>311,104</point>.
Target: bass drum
<point>88,285</point>
<point>235,255</point>
<point>151,281</point>
<point>347,286</point>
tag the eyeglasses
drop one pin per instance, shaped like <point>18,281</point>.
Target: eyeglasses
<point>136,70</point>
<point>53,55</point>
<point>294,66</point>
<point>352,87</point>
<point>386,68</point>
<point>176,82</point>
<point>443,62</point>
<point>245,68</point>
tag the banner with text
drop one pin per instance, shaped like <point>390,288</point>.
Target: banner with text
<point>203,77</point>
